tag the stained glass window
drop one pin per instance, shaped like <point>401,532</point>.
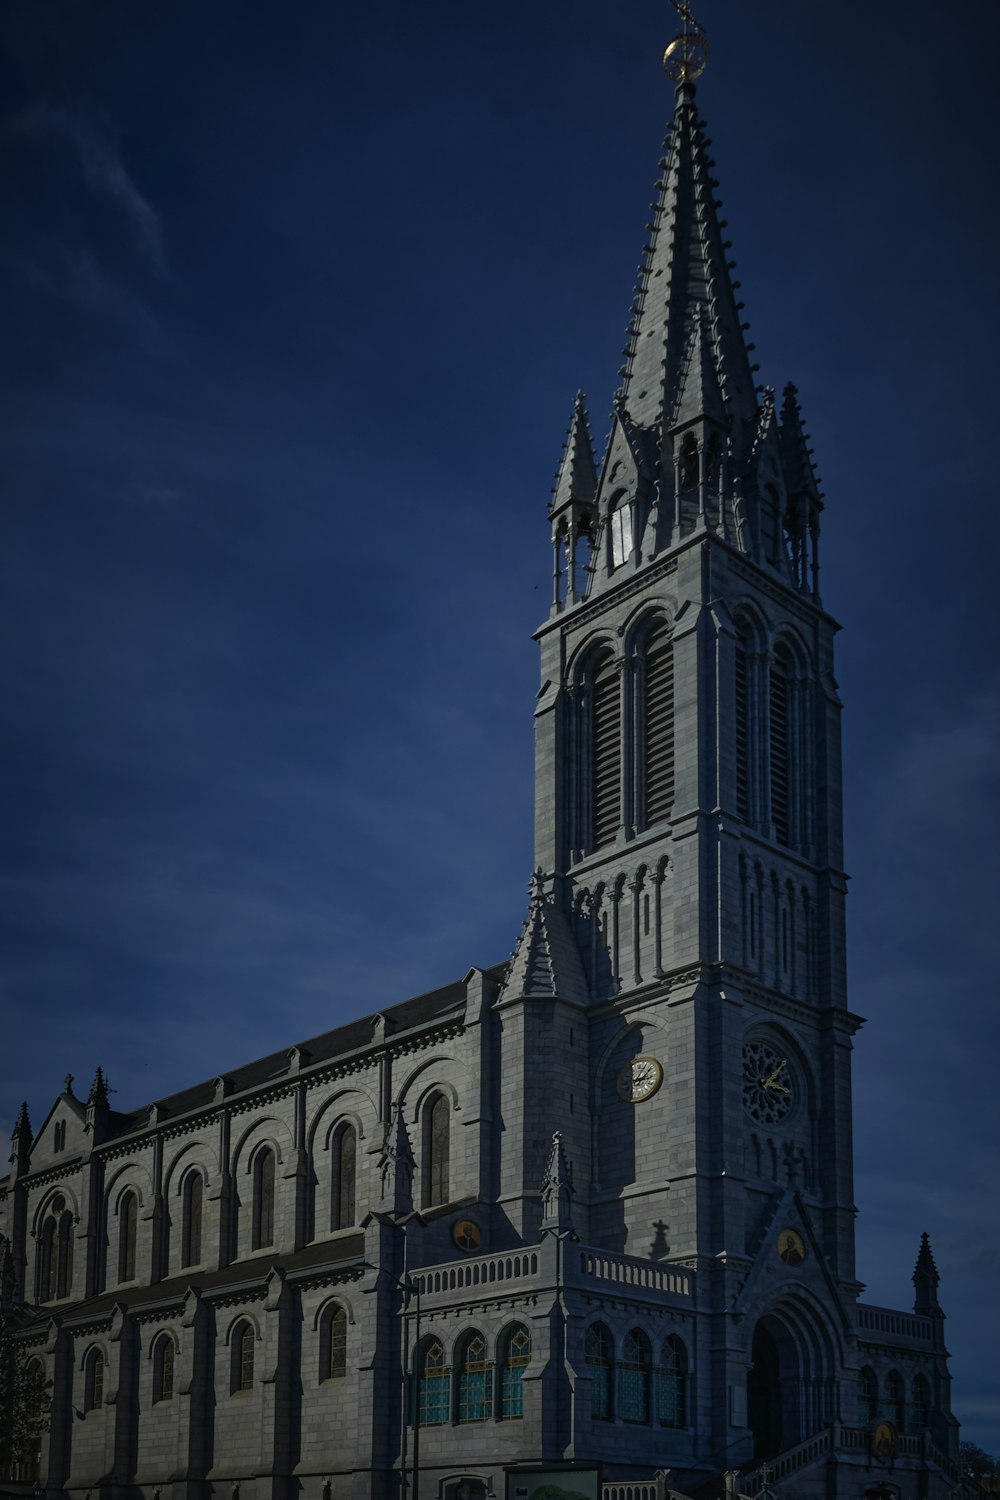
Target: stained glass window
<point>245,1357</point>
<point>867,1395</point>
<point>633,1378</point>
<point>128,1214</point>
<point>894,1399</point>
<point>64,1255</point>
<point>438,1143</point>
<point>263,1204</point>
<point>337,1364</point>
<point>475,1380</point>
<point>193,1196</point>
<point>600,1360</point>
<point>671,1381</point>
<point>516,1349</point>
<point>163,1369</point>
<point>918,1412</point>
<point>345,1169</point>
<point>435,1385</point>
<point>93,1396</point>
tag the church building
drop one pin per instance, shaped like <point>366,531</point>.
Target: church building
<point>579,1226</point>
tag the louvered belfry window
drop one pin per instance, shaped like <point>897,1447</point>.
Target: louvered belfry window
<point>605,762</point>
<point>742,735</point>
<point>780,767</point>
<point>658,723</point>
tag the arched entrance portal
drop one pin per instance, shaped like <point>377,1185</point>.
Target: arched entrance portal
<point>774,1387</point>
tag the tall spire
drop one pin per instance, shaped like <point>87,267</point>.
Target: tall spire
<point>685,275</point>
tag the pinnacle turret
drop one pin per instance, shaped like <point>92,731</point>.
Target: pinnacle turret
<point>98,1096</point>
<point>20,1154</point>
<point>557,1189</point>
<point>576,482</point>
<point>925,1281</point>
<point>395,1165</point>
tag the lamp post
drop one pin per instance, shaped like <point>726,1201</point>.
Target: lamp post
<point>411,1288</point>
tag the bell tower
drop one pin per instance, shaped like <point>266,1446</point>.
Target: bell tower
<point>688,781</point>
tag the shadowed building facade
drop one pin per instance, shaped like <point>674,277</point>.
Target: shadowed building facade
<point>618,1169</point>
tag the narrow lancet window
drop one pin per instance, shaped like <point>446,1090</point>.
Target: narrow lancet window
<point>658,723</point>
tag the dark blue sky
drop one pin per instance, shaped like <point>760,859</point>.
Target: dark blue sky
<point>294,303</point>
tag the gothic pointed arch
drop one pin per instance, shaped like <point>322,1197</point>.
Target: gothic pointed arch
<point>635,1377</point>
<point>599,1353</point>
<point>436,1141</point>
<point>514,1354</point>
<point>474,1379</point>
<point>597,794</point>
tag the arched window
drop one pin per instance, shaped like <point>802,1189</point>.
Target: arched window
<point>657,720</point>
<point>475,1380</point>
<point>671,1385</point>
<point>191,1206</point>
<point>919,1410</point>
<point>163,1368</point>
<point>781,767</point>
<point>55,1252</point>
<point>604,702</point>
<point>64,1254</point>
<point>689,462</point>
<point>46,1278</point>
<point>437,1150</point>
<point>34,1408</point>
<point>243,1341</point>
<point>600,1363</point>
<point>128,1218</point>
<point>345,1167</point>
<point>894,1399</point>
<point>515,1352</point>
<point>263,1199</point>
<point>742,726</point>
<point>633,1377</point>
<point>333,1344</point>
<point>435,1385</point>
<point>620,521</point>
<point>867,1395</point>
<point>59,1136</point>
<point>93,1381</point>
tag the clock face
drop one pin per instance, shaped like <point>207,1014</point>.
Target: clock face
<point>640,1079</point>
<point>768,1083</point>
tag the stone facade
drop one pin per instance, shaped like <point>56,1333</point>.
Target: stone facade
<point>602,1194</point>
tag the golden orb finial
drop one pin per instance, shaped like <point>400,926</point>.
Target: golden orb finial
<point>687,54</point>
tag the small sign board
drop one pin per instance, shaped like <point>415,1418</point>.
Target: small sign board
<point>553,1484</point>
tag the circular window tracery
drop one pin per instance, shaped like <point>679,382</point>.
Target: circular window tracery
<point>768,1083</point>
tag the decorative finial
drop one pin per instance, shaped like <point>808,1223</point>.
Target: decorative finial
<point>686,56</point>
<point>68,1084</point>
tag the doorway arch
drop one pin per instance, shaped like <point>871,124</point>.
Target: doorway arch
<point>774,1381</point>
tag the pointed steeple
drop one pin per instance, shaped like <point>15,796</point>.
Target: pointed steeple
<point>925,1281</point>
<point>98,1108</point>
<point>684,277</point>
<point>546,960</point>
<point>20,1154</point>
<point>572,511</point>
<point>395,1165</point>
<point>98,1096</point>
<point>557,1189</point>
<point>576,481</point>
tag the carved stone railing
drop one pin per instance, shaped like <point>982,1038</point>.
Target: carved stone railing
<point>629,1271</point>
<point>888,1323</point>
<point>486,1271</point>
